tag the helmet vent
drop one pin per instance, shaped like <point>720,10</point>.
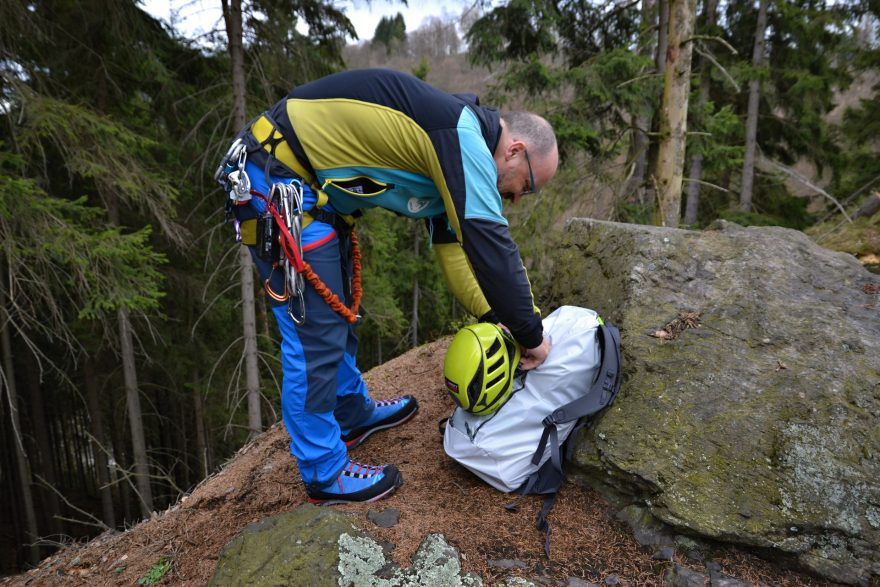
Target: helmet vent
<point>501,375</point>
<point>476,387</point>
<point>495,348</point>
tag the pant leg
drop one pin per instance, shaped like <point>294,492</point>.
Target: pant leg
<point>311,354</point>
<point>354,404</point>
<point>317,358</point>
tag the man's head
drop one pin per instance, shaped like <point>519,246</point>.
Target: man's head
<point>526,155</point>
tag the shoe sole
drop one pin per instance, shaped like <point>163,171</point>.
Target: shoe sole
<point>356,442</point>
<point>386,493</point>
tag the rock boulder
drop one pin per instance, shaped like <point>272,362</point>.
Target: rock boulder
<point>751,398</point>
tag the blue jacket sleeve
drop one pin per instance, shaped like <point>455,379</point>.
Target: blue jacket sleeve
<point>486,241</point>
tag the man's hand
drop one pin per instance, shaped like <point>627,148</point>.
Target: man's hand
<point>531,358</point>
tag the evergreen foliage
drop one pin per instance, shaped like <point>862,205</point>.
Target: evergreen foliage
<point>390,32</point>
<point>581,63</point>
<point>111,126</point>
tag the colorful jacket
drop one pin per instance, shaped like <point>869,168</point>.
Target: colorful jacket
<point>380,138</point>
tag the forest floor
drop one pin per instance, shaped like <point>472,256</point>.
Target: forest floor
<point>438,496</point>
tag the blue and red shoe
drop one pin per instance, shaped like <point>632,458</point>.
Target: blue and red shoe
<point>387,414</point>
<point>358,483</point>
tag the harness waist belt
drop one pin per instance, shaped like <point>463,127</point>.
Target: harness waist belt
<point>248,227</point>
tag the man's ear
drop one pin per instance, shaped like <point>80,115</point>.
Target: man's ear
<point>513,149</point>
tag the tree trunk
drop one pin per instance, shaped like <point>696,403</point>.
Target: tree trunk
<point>673,112</point>
<point>165,405</point>
<point>696,172</point>
<point>82,451</point>
<point>663,31</point>
<point>64,447</point>
<point>120,457</point>
<point>10,507</point>
<point>660,57</point>
<point>99,444</point>
<point>252,374</point>
<point>232,18</point>
<point>415,308</point>
<point>870,207</point>
<point>135,419</point>
<point>43,462</point>
<point>132,393</point>
<point>640,144</point>
<point>262,315</point>
<point>748,174</point>
<point>21,459</point>
<point>182,446</point>
<point>201,439</point>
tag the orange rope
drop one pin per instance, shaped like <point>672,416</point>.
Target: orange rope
<point>331,298</point>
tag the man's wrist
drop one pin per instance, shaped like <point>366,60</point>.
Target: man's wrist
<point>534,340</point>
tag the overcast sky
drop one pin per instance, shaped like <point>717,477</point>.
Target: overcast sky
<point>192,17</point>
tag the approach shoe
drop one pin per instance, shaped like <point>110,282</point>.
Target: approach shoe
<point>387,414</point>
<point>358,483</point>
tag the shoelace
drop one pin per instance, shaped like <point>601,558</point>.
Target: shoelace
<point>388,402</point>
<point>368,471</point>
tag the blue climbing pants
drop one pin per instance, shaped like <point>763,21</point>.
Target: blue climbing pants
<point>322,389</point>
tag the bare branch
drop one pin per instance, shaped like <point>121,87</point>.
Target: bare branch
<point>220,359</point>
<point>711,38</point>
<point>706,183</point>
<point>854,195</point>
<point>805,182</point>
<point>207,308</point>
<point>720,67</point>
<point>95,521</point>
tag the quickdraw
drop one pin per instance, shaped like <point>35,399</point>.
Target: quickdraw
<point>285,206</point>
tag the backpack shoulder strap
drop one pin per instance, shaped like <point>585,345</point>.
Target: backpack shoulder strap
<point>605,386</point>
<point>548,478</point>
<point>602,392</point>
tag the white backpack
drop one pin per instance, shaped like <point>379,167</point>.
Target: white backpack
<point>519,447</point>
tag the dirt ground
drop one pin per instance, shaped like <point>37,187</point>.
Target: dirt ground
<point>438,495</point>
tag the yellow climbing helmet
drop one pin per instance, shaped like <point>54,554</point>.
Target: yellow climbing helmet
<point>479,367</point>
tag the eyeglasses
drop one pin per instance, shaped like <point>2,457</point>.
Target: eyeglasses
<point>532,189</point>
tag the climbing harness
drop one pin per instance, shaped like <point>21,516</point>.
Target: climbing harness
<point>284,212</point>
<point>278,237</point>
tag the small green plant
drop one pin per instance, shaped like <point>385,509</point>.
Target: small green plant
<point>157,572</point>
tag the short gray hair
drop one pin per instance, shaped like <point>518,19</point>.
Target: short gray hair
<point>531,128</point>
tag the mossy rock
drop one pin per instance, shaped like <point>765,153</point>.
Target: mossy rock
<point>296,548</point>
<point>313,547</point>
<point>758,425</point>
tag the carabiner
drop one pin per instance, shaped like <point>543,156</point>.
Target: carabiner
<point>233,152</point>
<point>300,319</point>
<point>288,198</point>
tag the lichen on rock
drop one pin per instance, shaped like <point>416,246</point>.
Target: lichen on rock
<point>362,563</point>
